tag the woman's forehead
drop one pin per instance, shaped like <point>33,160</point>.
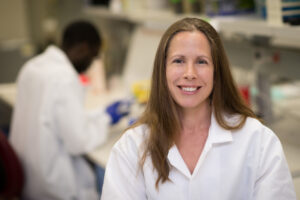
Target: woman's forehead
<point>189,41</point>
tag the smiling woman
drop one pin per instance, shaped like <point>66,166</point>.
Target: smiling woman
<point>197,139</point>
<point>189,70</point>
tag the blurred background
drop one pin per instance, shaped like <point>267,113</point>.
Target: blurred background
<point>261,38</point>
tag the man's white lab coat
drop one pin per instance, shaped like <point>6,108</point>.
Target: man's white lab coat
<point>51,130</point>
<point>246,164</point>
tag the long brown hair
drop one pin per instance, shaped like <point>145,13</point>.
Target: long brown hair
<point>161,115</point>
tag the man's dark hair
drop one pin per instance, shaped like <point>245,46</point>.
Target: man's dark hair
<point>78,32</point>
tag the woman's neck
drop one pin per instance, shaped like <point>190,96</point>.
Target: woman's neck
<point>195,120</point>
<point>192,138</point>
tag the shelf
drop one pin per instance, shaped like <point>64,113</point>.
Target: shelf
<point>161,18</point>
<point>284,36</point>
<point>248,27</point>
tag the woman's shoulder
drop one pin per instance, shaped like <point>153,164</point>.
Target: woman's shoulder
<point>254,124</point>
<point>132,139</point>
<point>137,133</point>
<point>250,122</point>
<point>254,128</point>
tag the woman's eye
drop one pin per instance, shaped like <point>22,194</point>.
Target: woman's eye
<point>179,61</point>
<point>202,62</point>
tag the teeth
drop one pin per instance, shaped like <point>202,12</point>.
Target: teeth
<point>189,89</point>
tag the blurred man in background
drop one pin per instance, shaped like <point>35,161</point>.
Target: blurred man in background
<point>51,129</point>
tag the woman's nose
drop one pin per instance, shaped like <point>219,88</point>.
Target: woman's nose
<point>190,71</point>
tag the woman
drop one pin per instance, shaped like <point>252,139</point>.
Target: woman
<point>197,138</point>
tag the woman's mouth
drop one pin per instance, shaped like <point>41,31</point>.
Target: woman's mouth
<point>189,89</point>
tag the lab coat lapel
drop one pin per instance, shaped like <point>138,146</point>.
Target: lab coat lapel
<point>177,161</point>
<point>216,135</point>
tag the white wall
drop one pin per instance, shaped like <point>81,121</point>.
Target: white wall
<point>13,20</point>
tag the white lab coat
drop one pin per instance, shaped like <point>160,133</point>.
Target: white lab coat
<point>247,164</point>
<point>51,130</point>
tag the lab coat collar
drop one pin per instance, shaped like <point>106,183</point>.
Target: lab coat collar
<point>216,135</point>
<point>59,54</point>
<point>56,52</point>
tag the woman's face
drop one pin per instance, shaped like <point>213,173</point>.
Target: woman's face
<point>189,70</point>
